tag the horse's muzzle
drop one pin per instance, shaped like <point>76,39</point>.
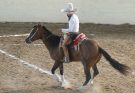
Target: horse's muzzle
<point>28,41</point>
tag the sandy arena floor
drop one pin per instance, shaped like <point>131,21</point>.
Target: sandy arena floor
<point>15,77</point>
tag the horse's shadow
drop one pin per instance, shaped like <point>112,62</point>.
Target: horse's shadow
<point>50,89</point>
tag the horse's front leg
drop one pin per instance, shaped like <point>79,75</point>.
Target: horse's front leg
<point>55,66</point>
<point>64,83</point>
<point>61,72</point>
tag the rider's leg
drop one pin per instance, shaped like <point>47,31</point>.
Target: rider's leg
<point>66,54</point>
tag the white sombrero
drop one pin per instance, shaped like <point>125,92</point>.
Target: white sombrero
<point>69,8</point>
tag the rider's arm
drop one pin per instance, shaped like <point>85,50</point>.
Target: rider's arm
<point>71,27</point>
<point>65,30</point>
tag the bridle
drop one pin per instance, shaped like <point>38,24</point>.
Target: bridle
<point>30,39</point>
<point>31,36</point>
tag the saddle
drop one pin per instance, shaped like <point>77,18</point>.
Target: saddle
<point>76,39</point>
<point>79,38</point>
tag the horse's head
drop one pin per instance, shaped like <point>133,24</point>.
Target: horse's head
<point>35,34</point>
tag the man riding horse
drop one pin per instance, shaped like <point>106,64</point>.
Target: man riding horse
<point>89,54</point>
<point>73,23</point>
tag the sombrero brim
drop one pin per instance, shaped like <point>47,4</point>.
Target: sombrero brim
<point>68,11</point>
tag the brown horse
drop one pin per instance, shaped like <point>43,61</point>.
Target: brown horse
<point>89,53</point>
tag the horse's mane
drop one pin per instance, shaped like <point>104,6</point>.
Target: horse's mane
<point>51,39</point>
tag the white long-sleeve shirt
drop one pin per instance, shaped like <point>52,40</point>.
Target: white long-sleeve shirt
<point>73,25</point>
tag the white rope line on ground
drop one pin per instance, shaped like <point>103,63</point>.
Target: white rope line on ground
<point>20,44</point>
<point>27,63</point>
<point>10,44</point>
<point>57,77</point>
<point>14,35</point>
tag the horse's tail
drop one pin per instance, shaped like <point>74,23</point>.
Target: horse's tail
<point>125,70</point>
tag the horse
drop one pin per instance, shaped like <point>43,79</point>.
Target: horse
<point>89,54</point>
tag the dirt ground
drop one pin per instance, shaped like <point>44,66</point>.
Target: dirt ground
<point>117,40</point>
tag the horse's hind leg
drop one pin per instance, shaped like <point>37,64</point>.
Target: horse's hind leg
<point>87,73</point>
<point>95,73</point>
<point>89,76</point>
<point>95,70</point>
<point>94,67</point>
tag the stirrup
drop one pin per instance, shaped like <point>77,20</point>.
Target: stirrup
<point>66,60</point>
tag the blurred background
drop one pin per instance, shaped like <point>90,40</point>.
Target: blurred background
<point>110,22</point>
<point>89,11</point>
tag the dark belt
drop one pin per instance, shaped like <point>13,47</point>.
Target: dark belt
<point>73,33</point>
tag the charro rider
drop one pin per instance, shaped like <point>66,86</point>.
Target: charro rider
<point>73,28</point>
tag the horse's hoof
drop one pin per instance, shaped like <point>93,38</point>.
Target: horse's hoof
<point>56,77</point>
<point>133,73</point>
<point>66,85</point>
<point>92,82</point>
<point>81,88</point>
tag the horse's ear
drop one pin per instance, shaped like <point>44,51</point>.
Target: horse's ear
<point>44,28</point>
<point>43,25</point>
<point>39,24</point>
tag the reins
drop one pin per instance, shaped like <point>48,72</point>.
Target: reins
<point>48,36</point>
